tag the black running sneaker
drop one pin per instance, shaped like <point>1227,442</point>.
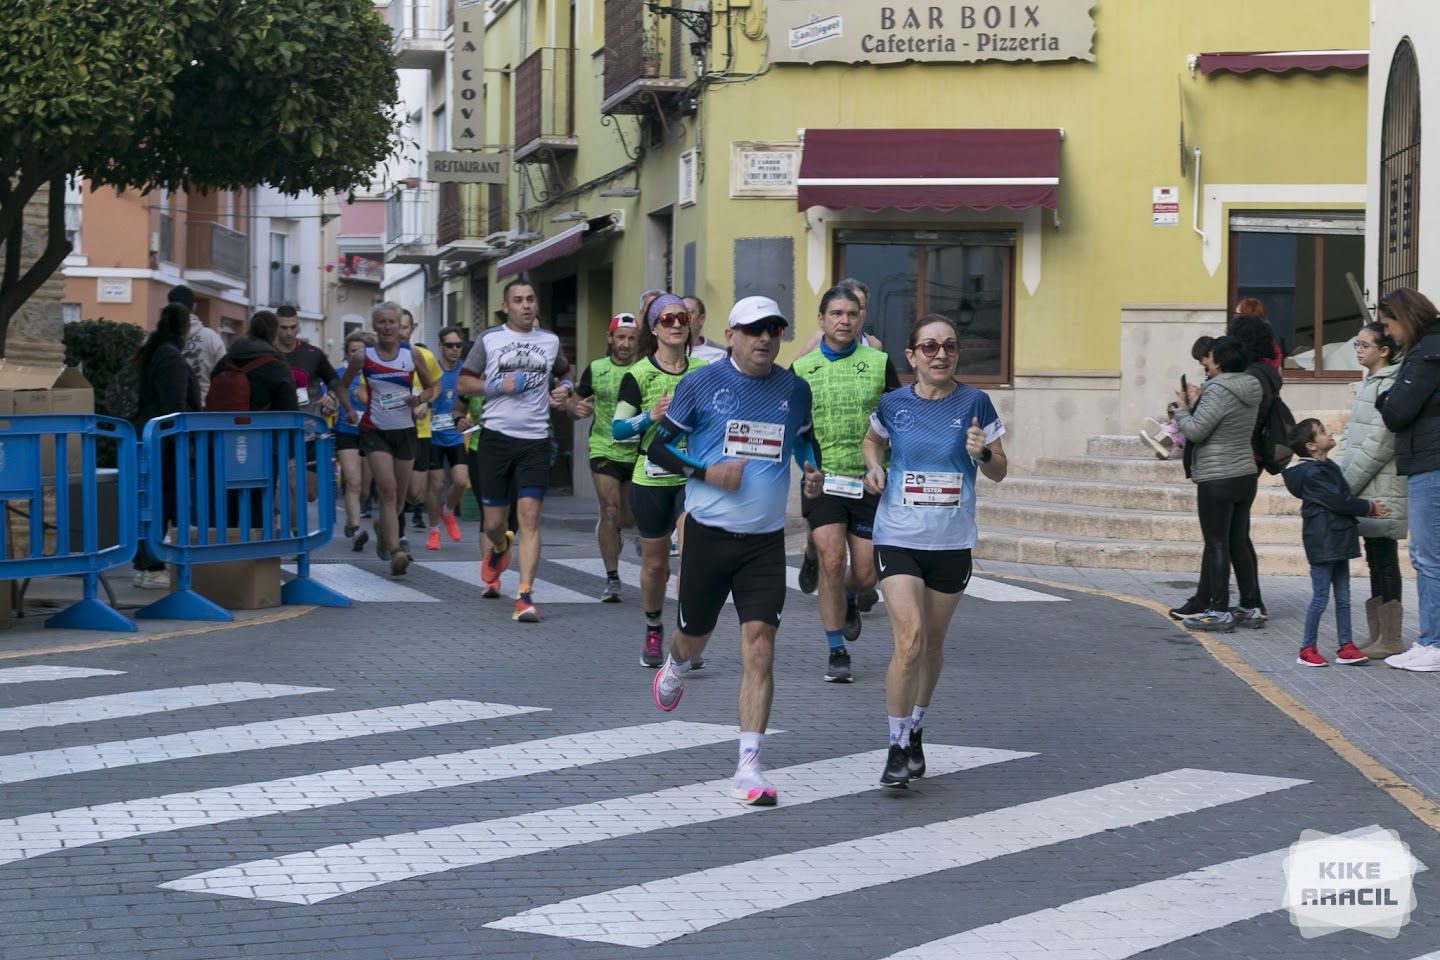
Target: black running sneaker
<point>851,628</point>
<point>897,768</point>
<point>1189,608</point>
<point>917,755</point>
<point>809,569</point>
<point>866,599</point>
<point>839,669</point>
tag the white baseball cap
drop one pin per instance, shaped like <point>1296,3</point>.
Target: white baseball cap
<point>753,310</point>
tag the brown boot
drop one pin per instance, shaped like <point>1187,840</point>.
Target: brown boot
<point>1391,616</point>
<point>1372,621</point>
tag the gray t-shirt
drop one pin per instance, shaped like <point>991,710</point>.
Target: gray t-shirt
<point>501,351</point>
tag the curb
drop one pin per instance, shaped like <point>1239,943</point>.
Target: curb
<point>279,616</point>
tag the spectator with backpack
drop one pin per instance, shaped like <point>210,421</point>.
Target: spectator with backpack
<point>202,347</point>
<point>254,374</point>
<point>167,385</point>
<point>1218,421</point>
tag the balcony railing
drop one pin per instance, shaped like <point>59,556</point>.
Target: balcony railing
<point>640,45</point>
<point>418,19</point>
<point>470,212</point>
<point>211,246</point>
<point>409,216</point>
<point>544,107</point>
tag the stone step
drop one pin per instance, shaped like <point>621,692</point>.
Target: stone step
<point>1114,445</point>
<point>1153,497</point>
<point>1109,523</point>
<point>1125,470</point>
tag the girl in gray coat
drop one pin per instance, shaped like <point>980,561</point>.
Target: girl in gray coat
<point>1366,456</point>
<point>1218,431</point>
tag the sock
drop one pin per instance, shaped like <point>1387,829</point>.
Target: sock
<point>836,639</point>
<point>497,551</point>
<point>652,617</point>
<point>897,729</point>
<point>679,666</point>
<point>917,719</point>
<point>435,529</point>
<point>750,745</point>
<point>447,510</point>
<point>905,732</point>
<point>612,574</point>
<point>849,596</point>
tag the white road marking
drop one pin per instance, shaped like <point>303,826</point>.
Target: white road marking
<point>140,702</point>
<point>362,586</point>
<point>983,589</point>
<point>1132,920</point>
<point>653,913</point>
<point>42,833</point>
<point>629,572</point>
<point>468,571</point>
<point>31,674</point>
<point>19,767</point>
<point>313,876</point>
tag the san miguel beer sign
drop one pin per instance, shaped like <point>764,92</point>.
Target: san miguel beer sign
<point>864,31</point>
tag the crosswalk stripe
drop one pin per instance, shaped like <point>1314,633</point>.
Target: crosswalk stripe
<point>20,767</point>
<point>983,589</point>
<point>140,702</point>
<point>42,833</point>
<point>468,571</point>
<point>1132,920</point>
<point>363,586</point>
<point>32,674</point>
<point>314,876</point>
<point>629,572</point>
<point>653,913</point>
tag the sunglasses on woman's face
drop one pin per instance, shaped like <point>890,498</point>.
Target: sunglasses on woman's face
<point>760,327</point>
<point>673,320</point>
<point>928,348</point>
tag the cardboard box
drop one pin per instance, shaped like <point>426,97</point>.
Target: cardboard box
<point>39,390</point>
<point>235,584</point>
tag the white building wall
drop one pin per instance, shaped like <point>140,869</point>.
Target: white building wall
<point>1390,22</point>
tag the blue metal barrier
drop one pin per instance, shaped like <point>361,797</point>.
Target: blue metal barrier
<point>236,491</point>
<point>25,440</point>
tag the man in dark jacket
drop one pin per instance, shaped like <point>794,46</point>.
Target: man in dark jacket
<point>1331,535</point>
<point>271,385</point>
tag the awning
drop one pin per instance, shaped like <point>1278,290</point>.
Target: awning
<point>1282,61</point>
<point>562,244</point>
<point>939,169</point>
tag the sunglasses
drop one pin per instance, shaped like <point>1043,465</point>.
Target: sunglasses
<point>760,327</point>
<point>930,348</point>
<point>673,320</point>
<point>452,346</point>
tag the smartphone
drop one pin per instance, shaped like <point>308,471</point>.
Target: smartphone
<point>1184,387</point>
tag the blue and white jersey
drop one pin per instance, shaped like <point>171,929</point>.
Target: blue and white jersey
<point>727,415</point>
<point>929,499</point>
<point>442,420</point>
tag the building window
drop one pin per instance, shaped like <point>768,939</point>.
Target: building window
<point>1305,268</point>
<point>70,313</point>
<point>282,278</point>
<point>965,275</point>
<point>1400,174</point>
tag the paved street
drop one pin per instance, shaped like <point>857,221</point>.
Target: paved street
<point>419,777</point>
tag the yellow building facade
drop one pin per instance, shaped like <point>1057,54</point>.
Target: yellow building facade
<point>653,149</point>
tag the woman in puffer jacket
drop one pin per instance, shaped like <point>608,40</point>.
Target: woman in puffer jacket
<point>1366,456</point>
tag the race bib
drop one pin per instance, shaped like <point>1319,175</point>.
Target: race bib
<point>442,421</point>
<point>851,488</point>
<point>302,395</point>
<point>754,440</point>
<point>930,489</point>
<point>655,472</point>
<point>394,401</point>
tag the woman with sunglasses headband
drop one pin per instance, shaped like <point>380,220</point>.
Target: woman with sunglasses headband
<point>938,432</point>
<point>657,496</point>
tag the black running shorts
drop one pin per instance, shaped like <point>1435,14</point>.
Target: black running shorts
<point>511,466</point>
<point>400,444</point>
<point>443,458</point>
<point>612,468</point>
<point>422,454</point>
<point>944,571</point>
<point>828,508</point>
<point>347,441</point>
<point>656,509</point>
<point>715,565</point>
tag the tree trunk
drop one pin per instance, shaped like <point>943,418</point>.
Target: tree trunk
<point>17,287</point>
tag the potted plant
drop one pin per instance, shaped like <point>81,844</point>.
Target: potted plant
<point>650,51</point>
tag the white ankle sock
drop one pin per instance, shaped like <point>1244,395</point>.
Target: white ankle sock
<point>750,744</point>
<point>897,729</point>
<point>917,718</point>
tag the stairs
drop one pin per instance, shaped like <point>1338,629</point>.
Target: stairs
<point>1119,507</point>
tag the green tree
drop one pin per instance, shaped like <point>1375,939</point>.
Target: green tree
<point>184,94</point>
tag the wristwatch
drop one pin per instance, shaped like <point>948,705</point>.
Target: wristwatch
<point>986,454</point>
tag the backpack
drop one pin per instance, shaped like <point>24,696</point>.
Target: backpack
<point>1272,431</point>
<point>230,386</point>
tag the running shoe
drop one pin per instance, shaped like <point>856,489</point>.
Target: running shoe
<point>851,628</point>
<point>866,599</point>
<point>674,544</point>
<point>381,550</point>
<point>525,612</point>
<point>651,655</point>
<point>611,594</point>
<point>399,562</point>
<point>809,569</point>
<point>749,785</point>
<point>151,580</point>
<point>418,516</point>
<point>839,669</point>
<point>1249,619</point>
<point>489,589</point>
<point>668,687</point>
<point>451,527</point>
<point>367,509</point>
<point>492,565</point>
<point>1310,657</point>
<point>350,531</point>
<point>358,541</point>
<point>1421,658</point>
<point>1349,655</point>
<point>916,755</point>
<point>1213,621</point>
<point>405,544</point>
<point>432,542</point>
<point>1188,609</point>
<point>897,768</point>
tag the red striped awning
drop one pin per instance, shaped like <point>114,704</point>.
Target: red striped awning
<point>935,169</point>
<point>1283,61</point>
<point>562,244</point>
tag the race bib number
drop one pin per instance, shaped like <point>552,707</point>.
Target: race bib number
<point>442,421</point>
<point>851,488</point>
<point>302,395</point>
<point>394,401</point>
<point>931,489</point>
<point>753,440</point>
<point>655,472</point>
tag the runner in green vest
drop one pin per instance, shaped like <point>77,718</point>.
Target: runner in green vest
<point>611,461</point>
<point>657,497</point>
<point>846,380</point>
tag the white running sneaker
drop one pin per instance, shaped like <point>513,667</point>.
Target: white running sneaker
<point>1419,658</point>
<point>1400,659</point>
<point>669,686</point>
<point>749,785</point>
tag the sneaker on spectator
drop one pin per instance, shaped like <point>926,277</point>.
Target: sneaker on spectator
<point>1421,658</point>
<point>1349,655</point>
<point>1249,619</point>
<point>1310,657</point>
<point>1188,609</point>
<point>1214,621</point>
